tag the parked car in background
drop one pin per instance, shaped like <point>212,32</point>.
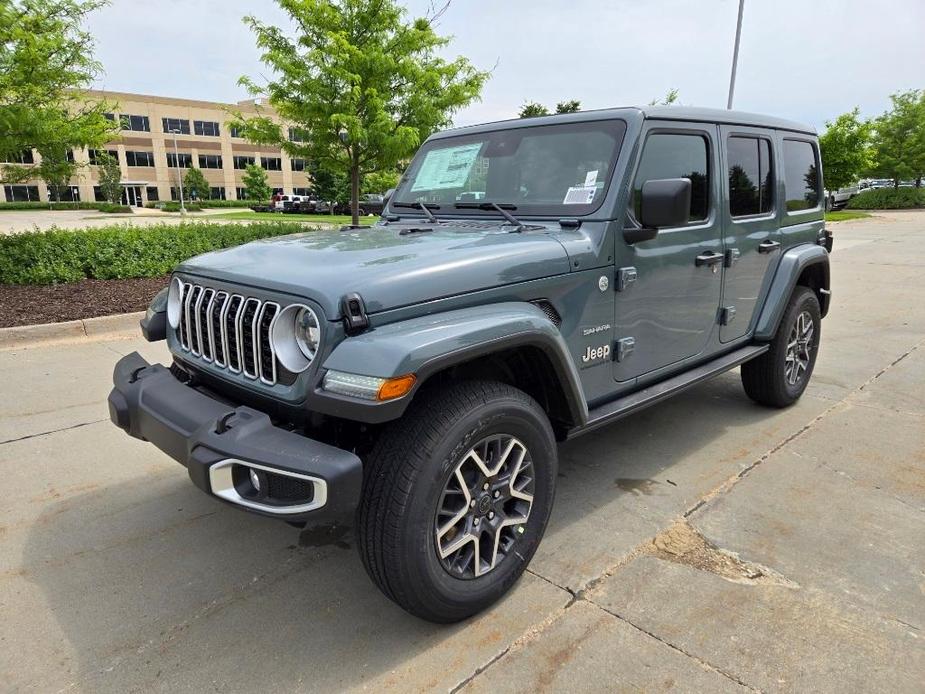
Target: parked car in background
<point>370,204</point>
<point>837,199</point>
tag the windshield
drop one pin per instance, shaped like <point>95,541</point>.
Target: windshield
<point>557,170</point>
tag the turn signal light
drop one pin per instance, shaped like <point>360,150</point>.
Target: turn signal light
<point>395,387</point>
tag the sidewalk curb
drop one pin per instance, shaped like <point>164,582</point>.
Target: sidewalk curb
<point>116,327</point>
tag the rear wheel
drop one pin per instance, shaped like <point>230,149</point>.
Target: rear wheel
<point>779,376</point>
<point>456,498</point>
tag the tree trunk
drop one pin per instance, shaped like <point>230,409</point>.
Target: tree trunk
<point>918,182</point>
<point>355,191</point>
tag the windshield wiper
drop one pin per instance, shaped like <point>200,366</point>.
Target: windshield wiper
<point>426,207</point>
<point>501,207</point>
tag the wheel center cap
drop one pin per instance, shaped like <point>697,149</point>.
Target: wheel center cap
<point>484,505</point>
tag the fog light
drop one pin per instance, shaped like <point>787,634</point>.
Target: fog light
<point>255,480</point>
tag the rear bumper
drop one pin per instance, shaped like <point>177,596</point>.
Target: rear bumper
<point>219,444</point>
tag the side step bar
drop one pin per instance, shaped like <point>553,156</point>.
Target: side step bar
<point>628,404</point>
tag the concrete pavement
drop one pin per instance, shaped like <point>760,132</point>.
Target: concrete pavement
<point>704,544</point>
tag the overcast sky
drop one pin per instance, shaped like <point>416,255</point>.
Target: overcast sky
<point>808,60</point>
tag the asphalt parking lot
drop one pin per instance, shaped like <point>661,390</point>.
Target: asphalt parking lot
<point>706,544</point>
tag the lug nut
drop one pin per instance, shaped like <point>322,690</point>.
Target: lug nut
<point>496,494</point>
<point>472,504</point>
<point>476,521</point>
<point>491,514</point>
<point>485,486</point>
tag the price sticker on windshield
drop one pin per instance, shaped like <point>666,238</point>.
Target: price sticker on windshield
<point>580,195</point>
<point>448,167</point>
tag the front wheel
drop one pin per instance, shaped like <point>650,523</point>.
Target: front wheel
<point>779,376</point>
<point>456,498</point>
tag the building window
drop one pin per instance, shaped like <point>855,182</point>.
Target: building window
<point>801,175</point>
<point>271,163</point>
<point>297,135</point>
<point>217,193</point>
<point>186,160</point>
<point>242,162</point>
<point>65,194</point>
<point>305,192</point>
<point>24,157</point>
<point>237,132</point>
<point>750,177</point>
<point>21,193</point>
<point>98,194</point>
<point>139,158</point>
<point>171,124</point>
<point>96,154</point>
<point>139,123</point>
<point>240,193</point>
<point>277,191</point>
<point>175,194</point>
<point>210,161</point>
<point>297,164</point>
<point>153,195</point>
<point>110,116</point>
<point>668,155</point>
<point>207,128</point>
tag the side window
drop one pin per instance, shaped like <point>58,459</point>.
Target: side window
<point>801,175</point>
<point>670,155</point>
<point>750,176</point>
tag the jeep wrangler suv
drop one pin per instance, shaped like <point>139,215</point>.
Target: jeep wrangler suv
<point>529,281</point>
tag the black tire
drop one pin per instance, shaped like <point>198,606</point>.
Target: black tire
<point>405,482</point>
<point>767,379</point>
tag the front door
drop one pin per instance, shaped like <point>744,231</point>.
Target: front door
<point>751,227</point>
<point>669,288</point>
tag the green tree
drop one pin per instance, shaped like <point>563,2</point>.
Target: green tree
<point>328,185</point>
<point>196,184</point>
<point>110,176</point>
<point>899,138</point>
<point>56,169</point>
<point>572,106</point>
<point>364,85</point>
<point>671,97</point>
<point>845,149</point>
<point>531,110</point>
<point>255,183</point>
<point>46,58</point>
<point>380,181</point>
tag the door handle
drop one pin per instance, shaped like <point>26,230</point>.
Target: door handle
<point>768,246</point>
<point>709,258</point>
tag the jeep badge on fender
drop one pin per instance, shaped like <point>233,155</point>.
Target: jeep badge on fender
<point>423,370</point>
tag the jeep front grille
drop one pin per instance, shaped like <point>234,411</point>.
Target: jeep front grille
<point>228,330</point>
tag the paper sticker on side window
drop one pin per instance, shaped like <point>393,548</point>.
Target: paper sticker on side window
<point>580,195</point>
<point>446,168</point>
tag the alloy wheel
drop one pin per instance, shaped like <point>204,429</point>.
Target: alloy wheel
<point>799,348</point>
<point>484,506</point>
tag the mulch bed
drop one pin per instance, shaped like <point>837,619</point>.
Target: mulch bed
<point>31,304</point>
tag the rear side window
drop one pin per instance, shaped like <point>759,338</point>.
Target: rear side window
<point>751,183</point>
<point>671,155</point>
<point>801,175</point>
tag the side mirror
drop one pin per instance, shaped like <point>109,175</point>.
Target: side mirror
<point>665,202</point>
<point>388,196</point>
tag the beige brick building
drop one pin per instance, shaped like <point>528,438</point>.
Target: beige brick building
<point>145,152</point>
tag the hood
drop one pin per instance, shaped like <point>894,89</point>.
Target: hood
<point>386,268</point>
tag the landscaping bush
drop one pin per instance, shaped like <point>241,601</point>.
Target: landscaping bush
<point>174,206</point>
<point>110,208</point>
<point>120,251</point>
<point>204,204</point>
<point>888,199</point>
<point>38,205</point>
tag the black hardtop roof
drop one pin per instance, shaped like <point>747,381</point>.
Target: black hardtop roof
<point>676,113</point>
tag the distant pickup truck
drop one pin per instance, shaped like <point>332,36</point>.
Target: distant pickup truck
<point>837,199</point>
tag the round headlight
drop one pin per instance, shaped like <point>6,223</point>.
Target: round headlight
<point>296,335</point>
<point>174,302</point>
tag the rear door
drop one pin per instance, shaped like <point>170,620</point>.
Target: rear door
<point>750,222</point>
<point>669,288</point>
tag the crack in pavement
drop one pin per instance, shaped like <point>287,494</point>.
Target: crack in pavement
<point>53,431</point>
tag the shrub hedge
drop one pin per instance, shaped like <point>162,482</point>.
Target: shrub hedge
<point>204,203</point>
<point>115,208</point>
<point>120,251</point>
<point>38,205</point>
<point>888,199</point>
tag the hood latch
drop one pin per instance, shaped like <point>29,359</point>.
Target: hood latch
<point>354,310</point>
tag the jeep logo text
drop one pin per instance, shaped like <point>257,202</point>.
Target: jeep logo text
<point>595,354</point>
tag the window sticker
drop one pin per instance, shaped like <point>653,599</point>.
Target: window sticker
<point>591,178</point>
<point>446,168</point>
<point>580,195</point>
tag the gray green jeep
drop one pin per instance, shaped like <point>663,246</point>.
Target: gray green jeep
<point>529,281</point>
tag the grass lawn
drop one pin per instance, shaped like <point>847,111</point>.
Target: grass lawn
<point>271,216</point>
<point>844,215</point>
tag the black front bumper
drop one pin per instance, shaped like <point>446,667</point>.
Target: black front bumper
<point>209,437</point>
